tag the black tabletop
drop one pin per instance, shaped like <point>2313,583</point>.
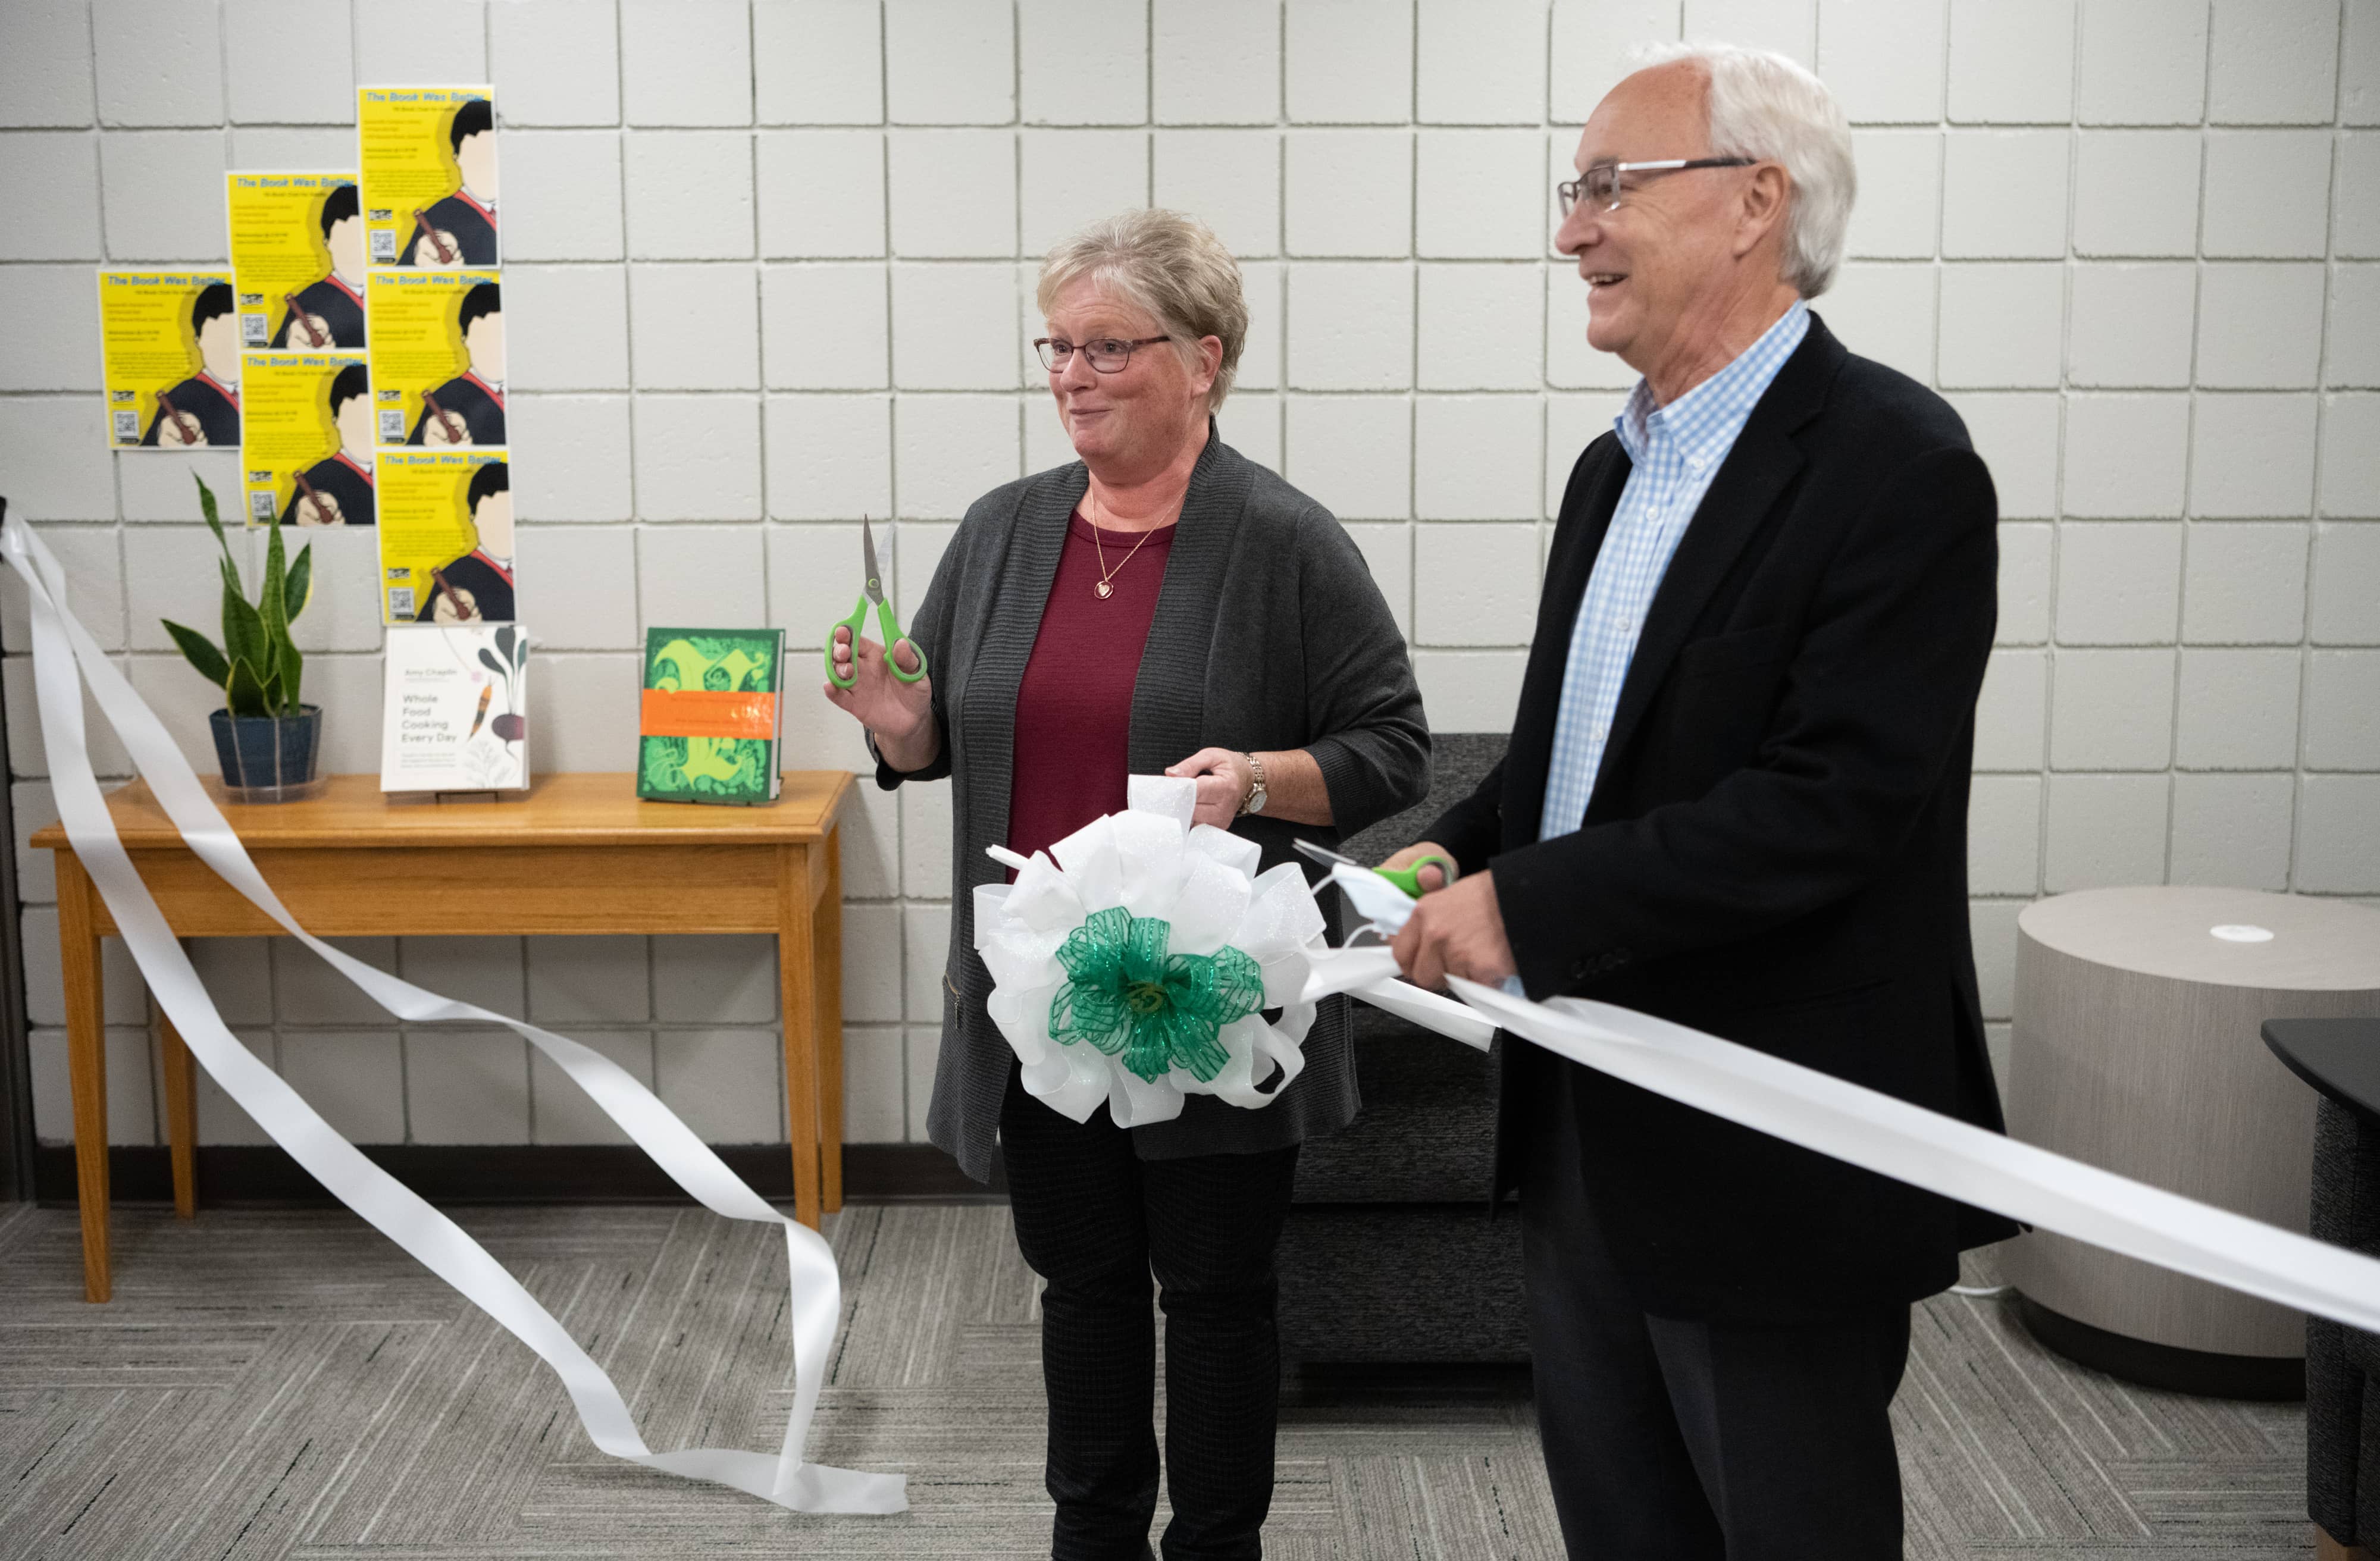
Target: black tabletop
<point>2338,1057</point>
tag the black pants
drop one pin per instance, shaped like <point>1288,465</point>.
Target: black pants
<point>1695,1441</point>
<point>1095,1222</point>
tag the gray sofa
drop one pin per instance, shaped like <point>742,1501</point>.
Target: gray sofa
<point>1389,1256</point>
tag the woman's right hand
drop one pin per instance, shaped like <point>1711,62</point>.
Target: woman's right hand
<point>899,715</point>
<point>1431,877</point>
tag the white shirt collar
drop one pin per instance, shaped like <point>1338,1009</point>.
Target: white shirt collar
<point>1707,419</point>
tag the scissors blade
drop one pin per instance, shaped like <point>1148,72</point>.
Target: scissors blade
<point>867,549</point>
<point>1325,855</point>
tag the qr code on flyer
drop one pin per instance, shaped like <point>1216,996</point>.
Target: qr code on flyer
<point>128,428</point>
<point>252,330</point>
<point>392,425</point>
<point>259,508</point>
<point>383,247</point>
<point>400,601</point>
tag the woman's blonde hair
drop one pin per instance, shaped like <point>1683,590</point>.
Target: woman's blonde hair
<point>1169,264</point>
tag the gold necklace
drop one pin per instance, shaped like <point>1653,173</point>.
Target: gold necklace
<point>1104,589</point>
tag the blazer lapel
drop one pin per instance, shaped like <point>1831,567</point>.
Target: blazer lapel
<point>1764,460</point>
<point>1018,594</point>
<point>1168,696</point>
<point>1567,569</point>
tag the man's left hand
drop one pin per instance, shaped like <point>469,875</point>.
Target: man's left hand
<point>1457,930</point>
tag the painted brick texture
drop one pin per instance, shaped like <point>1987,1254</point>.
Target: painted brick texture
<point>773,271</point>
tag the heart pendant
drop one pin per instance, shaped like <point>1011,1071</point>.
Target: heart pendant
<point>1104,590</point>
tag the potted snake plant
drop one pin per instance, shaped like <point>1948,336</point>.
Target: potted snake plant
<point>268,739</point>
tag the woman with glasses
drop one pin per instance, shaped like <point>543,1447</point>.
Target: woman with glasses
<point>1161,603</point>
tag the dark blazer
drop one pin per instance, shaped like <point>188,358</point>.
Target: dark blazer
<point>198,399</point>
<point>1775,847</point>
<point>474,234</point>
<point>339,480</point>
<point>465,399</point>
<point>1270,635</point>
<point>341,312</point>
<point>491,589</point>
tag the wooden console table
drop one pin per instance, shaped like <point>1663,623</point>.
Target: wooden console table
<point>579,854</point>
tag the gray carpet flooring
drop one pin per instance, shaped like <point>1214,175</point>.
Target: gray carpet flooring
<point>287,1385</point>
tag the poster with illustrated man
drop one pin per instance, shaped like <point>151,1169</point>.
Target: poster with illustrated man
<point>446,536</point>
<point>296,260</point>
<point>438,357</point>
<point>171,358</point>
<point>428,158</point>
<point>307,456</point>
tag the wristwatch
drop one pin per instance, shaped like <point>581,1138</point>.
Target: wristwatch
<point>1254,800</point>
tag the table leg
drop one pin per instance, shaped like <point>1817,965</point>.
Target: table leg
<point>86,1067</point>
<point>2328,1549</point>
<point>826,938</point>
<point>797,982</point>
<point>181,1113</point>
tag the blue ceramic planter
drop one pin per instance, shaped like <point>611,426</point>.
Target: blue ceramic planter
<point>269,758</point>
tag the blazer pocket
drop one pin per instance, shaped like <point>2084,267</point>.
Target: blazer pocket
<point>1831,997</point>
<point>1735,652</point>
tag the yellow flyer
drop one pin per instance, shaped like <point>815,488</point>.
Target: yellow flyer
<point>170,342</point>
<point>298,260</point>
<point>428,169</point>
<point>446,536</point>
<point>437,357</point>
<point>306,445</point>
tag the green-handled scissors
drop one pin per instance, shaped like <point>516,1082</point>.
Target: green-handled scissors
<point>1407,879</point>
<point>885,622</point>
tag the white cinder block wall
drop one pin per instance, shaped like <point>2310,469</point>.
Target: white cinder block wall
<point>771,270</point>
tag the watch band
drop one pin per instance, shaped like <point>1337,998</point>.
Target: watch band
<point>1254,800</point>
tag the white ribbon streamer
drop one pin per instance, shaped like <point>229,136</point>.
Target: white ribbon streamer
<point>1800,1105</point>
<point>59,642</point>
<point>1943,1155</point>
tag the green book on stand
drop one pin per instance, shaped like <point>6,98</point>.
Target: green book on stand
<point>714,713</point>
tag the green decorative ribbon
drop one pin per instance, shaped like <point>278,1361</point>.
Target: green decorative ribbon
<point>1125,995</point>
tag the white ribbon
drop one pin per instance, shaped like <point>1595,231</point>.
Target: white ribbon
<point>1866,1128</point>
<point>1800,1105</point>
<point>1151,861</point>
<point>59,641</point>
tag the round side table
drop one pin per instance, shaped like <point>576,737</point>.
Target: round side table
<point>2136,1050</point>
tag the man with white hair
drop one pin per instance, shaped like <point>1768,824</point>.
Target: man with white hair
<point>1736,797</point>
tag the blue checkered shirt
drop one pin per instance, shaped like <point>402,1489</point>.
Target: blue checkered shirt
<point>1677,450</point>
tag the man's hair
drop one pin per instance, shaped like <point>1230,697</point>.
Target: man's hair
<point>352,382</point>
<point>1763,106</point>
<point>214,298</point>
<point>488,481</point>
<point>1174,269</point>
<point>469,120</point>
<point>480,300</point>
<point>337,207</point>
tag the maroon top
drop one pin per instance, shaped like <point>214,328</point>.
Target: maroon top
<point>1074,710</point>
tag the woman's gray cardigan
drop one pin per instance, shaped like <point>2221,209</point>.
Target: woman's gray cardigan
<point>1268,635</point>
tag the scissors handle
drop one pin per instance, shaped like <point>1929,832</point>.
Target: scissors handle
<point>855,623</point>
<point>892,637</point>
<point>1408,878</point>
<point>886,625</point>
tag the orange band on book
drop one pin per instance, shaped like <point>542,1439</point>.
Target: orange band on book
<point>703,713</point>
